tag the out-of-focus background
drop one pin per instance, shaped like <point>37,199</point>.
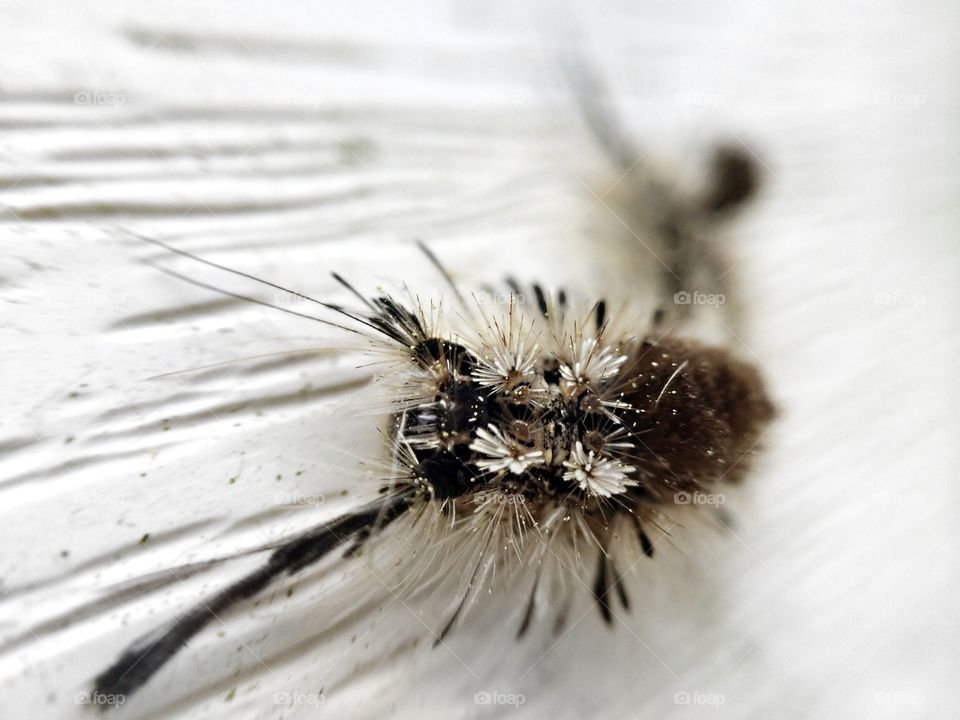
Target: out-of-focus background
<point>290,139</point>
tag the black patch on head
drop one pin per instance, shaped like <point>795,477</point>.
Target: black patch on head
<point>448,475</point>
<point>433,350</point>
<point>462,409</point>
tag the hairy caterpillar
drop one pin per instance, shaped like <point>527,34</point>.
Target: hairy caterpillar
<point>551,427</point>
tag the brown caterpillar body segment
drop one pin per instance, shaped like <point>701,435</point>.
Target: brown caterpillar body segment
<point>703,412</point>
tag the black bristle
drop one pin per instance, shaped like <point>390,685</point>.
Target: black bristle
<point>541,300</point>
<point>601,313</point>
<point>601,589</point>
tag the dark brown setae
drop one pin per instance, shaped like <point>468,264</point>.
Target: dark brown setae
<point>703,412</point>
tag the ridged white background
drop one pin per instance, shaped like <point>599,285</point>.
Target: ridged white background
<point>292,139</point>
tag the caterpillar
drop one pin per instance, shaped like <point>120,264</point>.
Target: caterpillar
<point>548,428</point>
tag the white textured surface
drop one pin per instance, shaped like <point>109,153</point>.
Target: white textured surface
<point>289,140</point>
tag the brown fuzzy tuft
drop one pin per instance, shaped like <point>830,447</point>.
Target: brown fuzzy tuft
<point>703,425</point>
